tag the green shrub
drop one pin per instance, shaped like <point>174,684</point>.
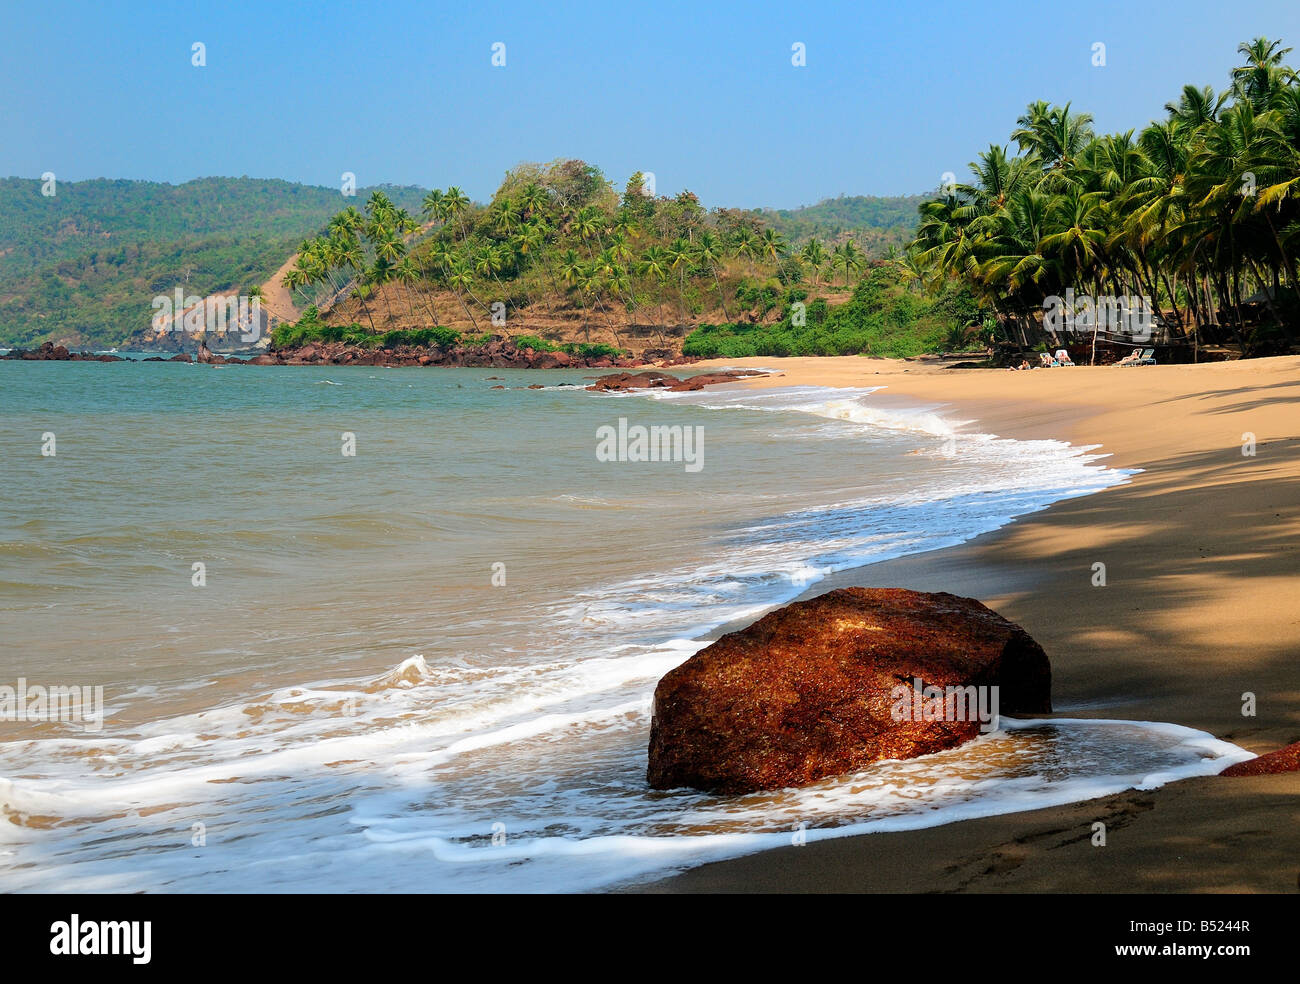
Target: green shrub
<point>418,337</point>
<point>881,318</point>
<point>536,344</point>
<point>592,350</point>
<point>309,329</point>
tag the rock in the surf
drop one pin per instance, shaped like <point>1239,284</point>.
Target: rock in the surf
<point>1283,760</point>
<point>829,685</point>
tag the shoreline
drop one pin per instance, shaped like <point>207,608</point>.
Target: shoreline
<point>499,353</point>
<point>1199,608</point>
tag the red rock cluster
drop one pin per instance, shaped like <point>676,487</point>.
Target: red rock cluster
<point>653,379</point>
<point>49,352</point>
<point>498,353</point>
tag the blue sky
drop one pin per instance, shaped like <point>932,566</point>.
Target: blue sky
<point>703,95</point>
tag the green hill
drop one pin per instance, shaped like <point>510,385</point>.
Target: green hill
<point>84,265</point>
<point>873,223</point>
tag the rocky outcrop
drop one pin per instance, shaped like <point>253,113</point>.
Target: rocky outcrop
<point>653,379</point>
<point>1283,760</point>
<point>829,685</point>
<point>498,353</point>
<point>49,352</point>
<point>650,379</point>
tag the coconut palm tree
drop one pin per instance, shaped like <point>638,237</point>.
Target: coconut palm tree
<point>680,256</point>
<point>709,253</point>
<point>460,279</point>
<point>773,245</point>
<point>454,204</point>
<point>814,254</point>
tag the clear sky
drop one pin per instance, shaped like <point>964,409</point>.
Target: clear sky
<point>702,94</point>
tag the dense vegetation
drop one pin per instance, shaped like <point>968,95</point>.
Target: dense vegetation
<point>884,317</point>
<point>559,237</point>
<point>309,328</point>
<point>86,262</point>
<point>1195,212</point>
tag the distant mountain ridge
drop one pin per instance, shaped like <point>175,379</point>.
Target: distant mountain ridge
<point>874,222</point>
<point>82,266</point>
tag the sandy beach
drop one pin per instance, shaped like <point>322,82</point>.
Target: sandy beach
<point>1201,606</point>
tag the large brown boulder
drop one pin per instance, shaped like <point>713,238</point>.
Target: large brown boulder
<point>814,689</point>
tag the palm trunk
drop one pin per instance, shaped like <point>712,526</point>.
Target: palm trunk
<point>721,297</point>
<point>366,308</point>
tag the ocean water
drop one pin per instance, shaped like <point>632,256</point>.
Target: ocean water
<point>429,666</point>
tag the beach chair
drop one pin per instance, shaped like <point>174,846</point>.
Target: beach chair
<point>1138,357</point>
<point>1046,361</point>
<point>1063,358</point>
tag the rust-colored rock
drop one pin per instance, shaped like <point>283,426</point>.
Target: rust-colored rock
<point>633,380</point>
<point>709,378</point>
<point>808,691</point>
<point>1283,760</point>
<point>654,379</point>
<point>49,352</point>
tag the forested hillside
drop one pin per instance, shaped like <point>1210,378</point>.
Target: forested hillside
<point>84,264</point>
<point>873,223</point>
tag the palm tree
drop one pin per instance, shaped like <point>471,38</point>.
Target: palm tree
<point>460,279</point>
<point>454,204</point>
<point>570,267</point>
<point>814,254</point>
<point>709,252</point>
<point>588,222</point>
<point>680,256</point>
<point>746,244</point>
<point>773,245</point>
<point>1054,135</point>
<point>410,276</point>
<point>654,265</point>
<point>1258,81</point>
<point>432,206</point>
